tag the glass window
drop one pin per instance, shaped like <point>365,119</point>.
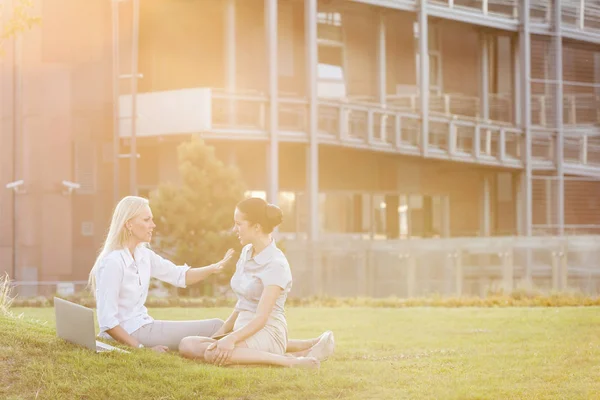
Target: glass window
<point>336,212</point>
<point>330,72</point>
<point>329,26</point>
<point>287,203</point>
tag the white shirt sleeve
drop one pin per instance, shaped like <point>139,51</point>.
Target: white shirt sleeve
<point>276,273</point>
<point>167,271</point>
<point>108,282</point>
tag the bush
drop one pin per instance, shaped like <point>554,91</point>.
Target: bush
<point>516,300</point>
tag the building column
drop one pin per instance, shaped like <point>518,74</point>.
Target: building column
<point>516,109</point>
<point>525,68</point>
<point>134,89</point>
<point>273,78</point>
<point>559,190</point>
<point>446,228</point>
<point>526,201</point>
<point>424,75</point>
<point>486,207</point>
<point>230,56</point>
<point>115,87</point>
<point>311,94</point>
<point>484,101</point>
<point>518,200</point>
<point>381,58</point>
<point>18,158</point>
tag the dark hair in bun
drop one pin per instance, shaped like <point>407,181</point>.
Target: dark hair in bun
<point>258,211</point>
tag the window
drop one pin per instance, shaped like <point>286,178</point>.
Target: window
<point>435,58</point>
<point>331,81</point>
<point>329,26</point>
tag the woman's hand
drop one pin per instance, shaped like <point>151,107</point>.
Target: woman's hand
<point>221,264</point>
<point>223,349</point>
<point>160,348</point>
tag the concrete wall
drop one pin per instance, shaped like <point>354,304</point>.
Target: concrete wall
<point>66,108</point>
<point>182,44</point>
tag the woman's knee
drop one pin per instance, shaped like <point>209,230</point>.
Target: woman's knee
<point>217,324</point>
<point>193,347</point>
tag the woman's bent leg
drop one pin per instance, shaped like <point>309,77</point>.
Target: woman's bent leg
<point>194,347</point>
<point>298,345</point>
<point>246,356</point>
<point>170,333</point>
<point>321,347</point>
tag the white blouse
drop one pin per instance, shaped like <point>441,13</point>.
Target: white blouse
<point>122,287</point>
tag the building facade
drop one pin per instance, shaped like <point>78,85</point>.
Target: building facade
<point>327,107</point>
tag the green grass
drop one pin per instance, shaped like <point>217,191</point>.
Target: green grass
<point>416,353</point>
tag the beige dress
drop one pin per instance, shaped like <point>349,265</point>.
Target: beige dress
<point>252,275</point>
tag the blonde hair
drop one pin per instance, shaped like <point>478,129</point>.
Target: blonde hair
<point>129,207</point>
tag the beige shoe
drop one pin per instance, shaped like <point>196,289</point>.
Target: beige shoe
<point>324,347</point>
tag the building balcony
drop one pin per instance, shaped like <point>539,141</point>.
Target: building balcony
<point>581,17</point>
<point>581,151</point>
<point>357,123</point>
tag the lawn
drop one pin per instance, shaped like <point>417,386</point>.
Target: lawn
<point>416,353</point>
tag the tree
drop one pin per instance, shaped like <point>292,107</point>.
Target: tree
<point>195,219</point>
<point>21,20</point>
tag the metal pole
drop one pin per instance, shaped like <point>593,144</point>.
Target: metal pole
<point>17,128</point>
<point>516,109</point>
<point>382,59</point>
<point>134,81</point>
<point>485,225</point>
<point>271,33</point>
<point>525,58</point>
<point>116,120</point>
<point>558,104</point>
<point>230,58</point>
<point>485,83</point>
<point>424,76</point>
<point>527,175</point>
<point>313,149</point>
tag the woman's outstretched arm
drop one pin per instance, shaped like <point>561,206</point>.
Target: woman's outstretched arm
<point>195,275</point>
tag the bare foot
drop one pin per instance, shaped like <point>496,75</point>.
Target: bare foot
<point>306,362</point>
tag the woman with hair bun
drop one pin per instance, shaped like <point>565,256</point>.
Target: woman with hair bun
<point>256,331</point>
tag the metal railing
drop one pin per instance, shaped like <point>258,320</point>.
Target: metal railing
<point>500,106</point>
<point>581,15</point>
<point>578,109</point>
<point>395,126</point>
<point>582,148</point>
<point>391,127</point>
<point>447,267</point>
<point>452,136</point>
<point>347,266</point>
<point>499,8</point>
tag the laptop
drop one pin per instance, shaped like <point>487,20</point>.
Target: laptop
<point>75,324</point>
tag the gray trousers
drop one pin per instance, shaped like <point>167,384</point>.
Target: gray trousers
<point>170,333</point>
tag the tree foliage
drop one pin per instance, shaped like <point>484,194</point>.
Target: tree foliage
<point>195,218</point>
<point>21,19</point>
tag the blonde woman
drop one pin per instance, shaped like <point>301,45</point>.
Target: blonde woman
<point>256,331</point>
<point>121,275</point>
